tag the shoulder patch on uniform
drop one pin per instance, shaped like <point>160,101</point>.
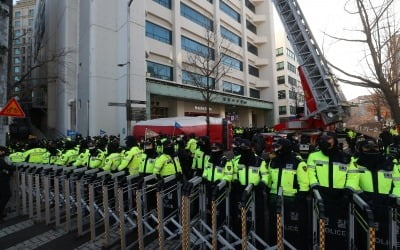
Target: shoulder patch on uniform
<point>305,168</point>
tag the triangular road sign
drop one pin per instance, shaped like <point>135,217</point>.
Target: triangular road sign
<point>12,108</point>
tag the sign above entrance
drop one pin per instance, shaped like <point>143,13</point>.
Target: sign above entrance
<point>13,109</point>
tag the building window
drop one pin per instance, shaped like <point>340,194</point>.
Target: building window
<point>158,33</point>
<point>292,95</point>
<point>227,34</point>
<point>196,17</point>
<point>165,3</point>
<point>17,51</point>
<point>251,27</point>
<point>281,79</point>
<point>291,67</point>
<point>232,62</point>
<point>17,60</point>
<point>292,110</point>
<point>233,88</point>
<point>229,11</point>
<point>280,66</point>
<point>17,41</point>
<point>18,14</point>
<point>17,69</point>
<point>255,93</point>
<point>17,24</point>
<point>30,22</point>
<point>279,51</point>
<point>160,71</point>
<point>282,94</point>
<point>292,81</point>
<point>250,6</point>
<point>196,48</point>
<point>251,48</point>
<point>282,110</point>
<point>31,12</point>
<point>290,54</point>
<point>17,78</point>
<point>17,33</point>
<point>197,80</point>
<point>253,71</point>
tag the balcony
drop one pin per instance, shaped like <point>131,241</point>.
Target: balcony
<point>257,19</point>
<point>257,2</point>
<point>260,62</point>
<point>260,40</point>
<point>263,84</point>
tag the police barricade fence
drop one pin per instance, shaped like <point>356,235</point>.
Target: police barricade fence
<point>168,198</point>
<point>195,229</point>
<point>127,211</point>
<point>222,235</point>
<point>147,206</point>
<point>145,197</point>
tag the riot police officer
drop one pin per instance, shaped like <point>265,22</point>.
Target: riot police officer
<point>333,173</point>
<point>201,156</point>
<point>288,171</point>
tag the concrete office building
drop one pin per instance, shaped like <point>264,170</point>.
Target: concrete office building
<point>138,51</point>
<point>5,57</point>
<point>23,17</point>
<point>289,89</point>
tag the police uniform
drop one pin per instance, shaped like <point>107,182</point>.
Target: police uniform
<point>148,159</point>
<point>131,160</point>
<point>288,171</point>
<point>335,175</point>
<point>379,181</point>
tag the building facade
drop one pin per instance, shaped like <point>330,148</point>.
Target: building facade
<point>23,17</point>
<point>289,89</point>
<point>5,55</point>
<point>137,54</point>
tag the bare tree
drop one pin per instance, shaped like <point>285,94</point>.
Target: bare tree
<point>206,66</point>
<point>379,34</point>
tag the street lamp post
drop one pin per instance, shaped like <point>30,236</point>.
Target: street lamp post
<point>128,95</point>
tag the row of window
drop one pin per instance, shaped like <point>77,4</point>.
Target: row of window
<point>196,17</point>
<point>281,80</point>
<point>165,72</point>
<point>17,24</point>
<point>249,5</point>
<point>206,22</point>
<point>31,13</point>
<point>281,66</point>
<point>289,53</point>
<point>282,94</point>
<point>283,110</point>
<point>164,35</point>
<point>22,50</point>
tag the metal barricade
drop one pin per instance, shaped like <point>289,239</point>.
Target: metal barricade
<point>110,205</point>
<point>96,209</point>
<point>394,223</point>
<point>168,213</point>
<point>360,212</point>
<point>82,198</point>
<point>147,221</point>
<point>318,221</point>
<point>127,211</point>
<point>222,236</point>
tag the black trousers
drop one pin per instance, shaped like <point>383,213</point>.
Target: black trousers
<point>5,194</point>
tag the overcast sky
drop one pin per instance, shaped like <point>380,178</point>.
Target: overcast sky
<point>328,16</point>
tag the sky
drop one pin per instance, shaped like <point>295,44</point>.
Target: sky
<point>328,16</point>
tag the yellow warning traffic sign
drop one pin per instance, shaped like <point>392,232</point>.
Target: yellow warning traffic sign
<point>13,109</point>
